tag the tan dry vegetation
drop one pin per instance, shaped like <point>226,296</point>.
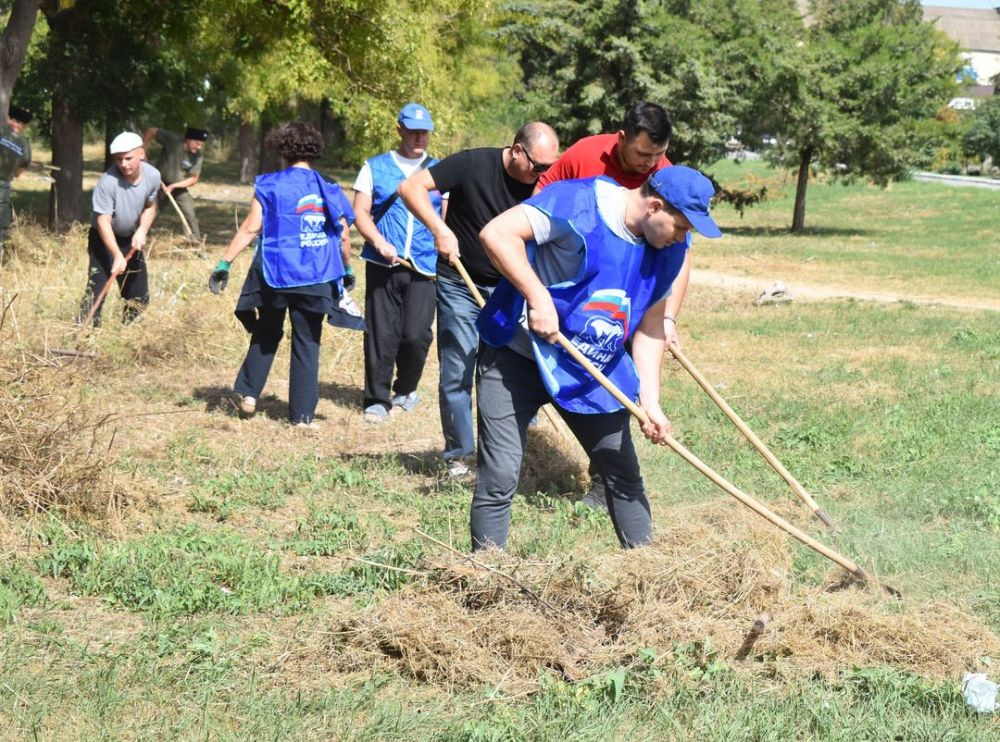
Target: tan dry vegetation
<point>494,620</point>
<point>164,382</point>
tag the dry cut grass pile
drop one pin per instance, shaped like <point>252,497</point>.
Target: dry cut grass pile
<point>495,620</point>
<point>53,451</point>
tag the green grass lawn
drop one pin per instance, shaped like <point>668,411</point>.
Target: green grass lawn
<point>207,602</point>
<point>912,238</point>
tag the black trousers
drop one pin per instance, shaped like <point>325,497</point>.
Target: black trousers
<point>133,284</point>
<point>303,375</point>
<point>399,311</point>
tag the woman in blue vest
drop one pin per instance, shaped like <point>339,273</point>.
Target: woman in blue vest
<point>300,224</point>
<point>399,301</point>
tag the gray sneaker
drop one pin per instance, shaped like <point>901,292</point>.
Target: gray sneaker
<point>406,402</point>
<point>376,414</point>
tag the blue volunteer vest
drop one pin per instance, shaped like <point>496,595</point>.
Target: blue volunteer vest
<point>598,310</point>
<point>397,222</point>
<point>300,239</point>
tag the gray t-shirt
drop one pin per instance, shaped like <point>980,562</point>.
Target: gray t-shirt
<point>560,252</point>
<point>123,200</point>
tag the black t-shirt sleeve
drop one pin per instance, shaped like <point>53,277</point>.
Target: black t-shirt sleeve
<point>449,173</point>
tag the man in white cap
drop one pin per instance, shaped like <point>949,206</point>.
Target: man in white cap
<point>124,207</point>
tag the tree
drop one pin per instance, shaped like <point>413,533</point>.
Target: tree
<point>585,63</point>
<point>13,46</point>
<point>851,87</point>
<point>983,137</point>
<point>106,63</point>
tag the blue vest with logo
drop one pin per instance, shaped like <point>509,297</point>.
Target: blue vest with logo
<point>300,239</point>
<point>598,310</point>
<point>398,222</point>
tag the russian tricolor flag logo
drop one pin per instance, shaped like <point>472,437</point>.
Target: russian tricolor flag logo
<point>614,302</point>
<point>312,202</point>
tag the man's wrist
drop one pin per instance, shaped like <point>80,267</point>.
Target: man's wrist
<point>670,317</point>
<point>222,265</point>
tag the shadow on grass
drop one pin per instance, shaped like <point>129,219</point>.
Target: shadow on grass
<point>344,395</point>
<point>748,231</point>
<point>223,399</point>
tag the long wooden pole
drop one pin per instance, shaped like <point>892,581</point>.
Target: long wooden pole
<point>752,437</point>
<point>104,292</point>
<point>187,229</point>
<point>744,498</point>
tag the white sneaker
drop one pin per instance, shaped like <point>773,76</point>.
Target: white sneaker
<point>248,406</point>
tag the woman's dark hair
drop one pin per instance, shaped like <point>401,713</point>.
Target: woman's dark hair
<point>295,142</point>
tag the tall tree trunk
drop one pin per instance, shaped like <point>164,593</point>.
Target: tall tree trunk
<point>269,160</point>
<point>246,152</point>
<point>66,197</point>
<point>13,46</point>
<point>799,216</point>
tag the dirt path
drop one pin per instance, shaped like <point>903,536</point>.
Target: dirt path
<point>806,292</point>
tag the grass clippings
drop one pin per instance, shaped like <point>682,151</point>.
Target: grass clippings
<point>466,624</point>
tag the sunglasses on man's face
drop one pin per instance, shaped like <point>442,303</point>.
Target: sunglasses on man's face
<point>536,167</point>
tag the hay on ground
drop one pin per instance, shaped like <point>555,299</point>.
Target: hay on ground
<point>502,621</point>
<point>54,453</point>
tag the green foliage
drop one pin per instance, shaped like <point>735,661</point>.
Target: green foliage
<point>847,97</point>
<point>18,587</point>
<point>186,570</point>
<point>326,532</point>
<point>585,63</point>
<point>365,60</point>
<point>983,137</point>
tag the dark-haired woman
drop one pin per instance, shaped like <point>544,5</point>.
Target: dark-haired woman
<point>300,223</point>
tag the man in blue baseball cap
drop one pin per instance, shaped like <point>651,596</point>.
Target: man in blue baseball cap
<point>399,301</point>
<point>594,261</point>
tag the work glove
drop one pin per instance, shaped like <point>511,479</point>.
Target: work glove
<point>219,278</point>
<point>349,278</point>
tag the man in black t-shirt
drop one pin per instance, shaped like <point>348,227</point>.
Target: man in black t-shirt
<point>481,184</point>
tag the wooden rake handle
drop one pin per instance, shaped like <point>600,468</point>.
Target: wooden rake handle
<point>751,502</point>
<point>411,267</point>
<point>99,299</point>
<point>764,451</point>
<point>187,228</point>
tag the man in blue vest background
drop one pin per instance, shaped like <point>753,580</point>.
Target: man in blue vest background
<point>594,261</point>
<point>399,301</point>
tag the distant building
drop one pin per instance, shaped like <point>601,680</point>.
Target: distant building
<point>977,32</point>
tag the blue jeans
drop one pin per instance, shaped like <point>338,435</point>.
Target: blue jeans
<point>457,341</point>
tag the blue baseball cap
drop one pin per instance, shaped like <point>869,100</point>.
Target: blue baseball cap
<point>415,116</point>
<point>690,193</point>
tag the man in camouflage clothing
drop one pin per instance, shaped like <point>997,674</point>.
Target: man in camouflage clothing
<point>180,164</point>
<point>15,156</point>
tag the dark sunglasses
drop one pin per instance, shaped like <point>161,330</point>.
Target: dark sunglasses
<point>536,167</point>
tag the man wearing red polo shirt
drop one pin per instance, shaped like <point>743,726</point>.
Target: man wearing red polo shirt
<point>629,156</point>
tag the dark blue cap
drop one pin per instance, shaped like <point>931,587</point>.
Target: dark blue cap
<point>415,116</point>
<point>690,193</point>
